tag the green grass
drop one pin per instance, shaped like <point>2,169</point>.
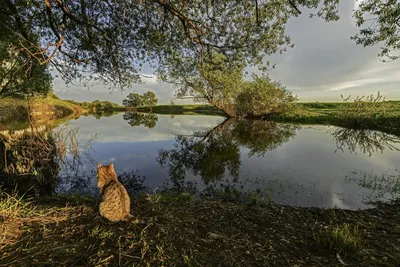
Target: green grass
<point>183,110</point>
<point>13,206</point>
<point>14,112</point>
<point>380,116</point>
<point>343,239</point>
<point>68,231</point>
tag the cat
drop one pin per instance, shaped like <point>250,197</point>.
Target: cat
<point>115,202</point>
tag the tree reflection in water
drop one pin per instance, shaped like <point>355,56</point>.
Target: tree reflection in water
<point>365,141</point>
<point>33,159</point>
<point>211,153</point>
<point>134,119</point>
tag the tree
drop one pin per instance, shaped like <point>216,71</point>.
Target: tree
<point>133,100</point>
<point>262,96</point>
<point>383,26</point>
<point>112,39</point>
<point>225,88</point>
<point>219,85</point>
<point>149,99</point>
<point>18,76</point>
<point>96,103</point>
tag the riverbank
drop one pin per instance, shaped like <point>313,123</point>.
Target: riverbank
<point>14,112</point>
<point>182,110</point>
<point>383,116</point>
<point>183,231</point>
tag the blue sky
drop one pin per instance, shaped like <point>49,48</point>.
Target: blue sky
<point>324,64</point>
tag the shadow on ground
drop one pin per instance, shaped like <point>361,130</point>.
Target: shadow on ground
<point>182,231</point>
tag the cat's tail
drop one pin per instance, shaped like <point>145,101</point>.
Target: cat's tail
<point>130,218</point>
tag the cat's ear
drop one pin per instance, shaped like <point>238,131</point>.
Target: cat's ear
<point>99,165</point>
<point>111,166</point>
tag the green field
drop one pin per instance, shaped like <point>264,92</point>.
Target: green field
<point>382,115</point>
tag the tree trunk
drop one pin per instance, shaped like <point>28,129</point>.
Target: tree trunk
<point>228,110</point>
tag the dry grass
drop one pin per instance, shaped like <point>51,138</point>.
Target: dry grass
<point>182,231</point>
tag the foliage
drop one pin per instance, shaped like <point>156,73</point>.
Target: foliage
<point>381,24</point>
<point>134,99</point>
<point>113,40</point>
<point>262,96</point>
<point>97,105</point>
<point>216,82</point>
<point>149,99</point>
<point>137,119</point>
<point>16,79</point>
<point>367,111</point>
<point>220,82</point>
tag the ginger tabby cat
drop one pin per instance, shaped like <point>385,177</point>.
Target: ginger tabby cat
<point>115,202</point>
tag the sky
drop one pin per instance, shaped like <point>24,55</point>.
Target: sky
<point>323,65</point>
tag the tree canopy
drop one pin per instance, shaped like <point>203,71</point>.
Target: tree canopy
<point>134,99</point>
<point>110,40</point>
<point>18,75</point>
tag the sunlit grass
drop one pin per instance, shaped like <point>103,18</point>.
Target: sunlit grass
<point>14,206</point>
<point>345,238</point>
<point>68,231</point>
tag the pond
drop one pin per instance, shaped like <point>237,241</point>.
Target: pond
<point>301,165</point>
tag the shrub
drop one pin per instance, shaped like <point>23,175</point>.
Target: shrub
<point>366,111</point>
<point>262,96</point>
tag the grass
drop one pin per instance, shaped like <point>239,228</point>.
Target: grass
<point>68,231</point>
<point>369,113</point>
<point>14,112</point>
<point>345,238</point>
<point>383,116</point>
<point>183,110</point>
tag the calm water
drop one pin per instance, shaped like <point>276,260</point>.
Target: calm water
<point>323,166</point>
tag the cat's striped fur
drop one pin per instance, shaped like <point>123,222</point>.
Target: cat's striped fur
<point>115,203</point>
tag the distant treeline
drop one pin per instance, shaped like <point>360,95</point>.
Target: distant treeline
<point>98,105</point>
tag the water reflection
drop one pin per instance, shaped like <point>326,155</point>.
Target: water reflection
<point>262,136</point>
<point>207,154</point>
<point>213,157</point>
<point>37,159</point>
<point>213,152</point>
<point>378,185</point>
<point>134,119</point>
<point>365,141</point>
